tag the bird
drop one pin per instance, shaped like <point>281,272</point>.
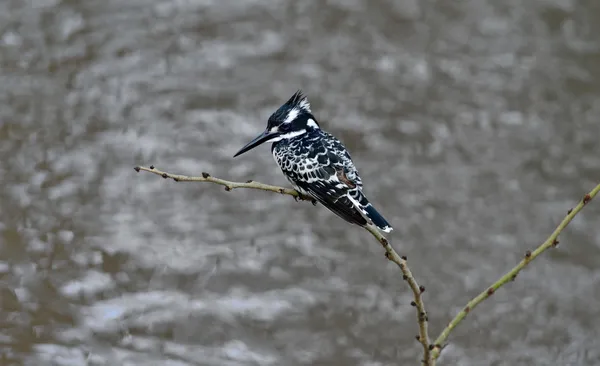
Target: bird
<point>316,163</point>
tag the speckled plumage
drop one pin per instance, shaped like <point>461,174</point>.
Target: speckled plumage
<point>317,164</point>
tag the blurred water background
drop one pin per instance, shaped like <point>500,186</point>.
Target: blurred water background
<point>474,125</point>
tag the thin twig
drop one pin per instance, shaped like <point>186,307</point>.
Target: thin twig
<point>229,185</point>
<point>390,253</point>
<point>552,241</point>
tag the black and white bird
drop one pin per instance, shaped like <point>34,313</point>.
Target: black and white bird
<point>316,163</point>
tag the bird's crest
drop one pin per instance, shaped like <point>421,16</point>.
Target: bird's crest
<point>297,105</point>
<point>299,101</point>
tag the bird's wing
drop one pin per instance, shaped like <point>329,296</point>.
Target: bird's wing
<point>340,158</point>
<point>331,178</point>
<point>331,194</point>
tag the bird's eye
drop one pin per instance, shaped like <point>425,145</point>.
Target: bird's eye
<point>284,127</point>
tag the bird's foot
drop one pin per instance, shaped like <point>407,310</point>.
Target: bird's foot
<point>299,197</point>
<point>303,197</point>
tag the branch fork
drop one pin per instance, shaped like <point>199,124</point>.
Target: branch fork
<point>390,253</point>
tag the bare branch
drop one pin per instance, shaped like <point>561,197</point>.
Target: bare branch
<point>529,256</point>
<point>390,253</point>
<point>417,290</point>
<point>431,352</point>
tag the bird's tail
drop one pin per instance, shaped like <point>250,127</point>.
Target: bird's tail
<point>367,210</point>
<point>377,219</point>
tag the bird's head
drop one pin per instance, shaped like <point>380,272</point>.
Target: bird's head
<point>292,119</point>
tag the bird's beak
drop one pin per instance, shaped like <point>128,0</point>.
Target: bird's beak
<point>263,137</point>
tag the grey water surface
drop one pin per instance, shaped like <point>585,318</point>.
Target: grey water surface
<point>475,125</point>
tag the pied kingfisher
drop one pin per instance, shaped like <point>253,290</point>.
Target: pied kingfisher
<point>316,163</point>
